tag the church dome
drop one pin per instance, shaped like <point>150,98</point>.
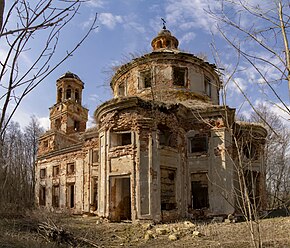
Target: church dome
<point>69,74</point>
<point>164,40</point>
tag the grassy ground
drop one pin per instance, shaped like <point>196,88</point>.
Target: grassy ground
<point>22,232</point>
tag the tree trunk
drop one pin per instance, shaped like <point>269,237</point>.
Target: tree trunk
<point>2,5</point>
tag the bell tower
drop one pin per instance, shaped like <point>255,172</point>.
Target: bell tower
<point>68,115</point>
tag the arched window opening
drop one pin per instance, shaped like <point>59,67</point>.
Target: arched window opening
<point>159,44</point>
<point>76,126</point>
<point>59,95</point>
<point>168,43</point>
<point>68,93</point>
<point>166,136</point>
<point>77,96</point>
<point>122,89</point>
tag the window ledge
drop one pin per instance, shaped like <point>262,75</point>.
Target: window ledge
<point>114,148</point>
<point>164,147</point>
<point>198,154</point>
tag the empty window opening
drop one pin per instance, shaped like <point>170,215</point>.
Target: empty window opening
<point>168,43</point>
<point>121,89</point>
<point>76,126</point>
<point>207,86</point>
<point>198,144</point>
<point>95,156</point>
<point>159,44</point>
<point>71,195</point>
<point>59,95</point>
<point>166,136</point>
<point>120,199</point>
<point>70,168</point>
<point>57,124</point>
<point>199,191</point>
<point>120,139</point>
<point>77,96</point>
<point>68,93</point>
<point>252,179</point>
<point>145,79</point>
<point>168,199</point>
<point>179,75</point>
<point>55,196</point>
<point>55,171</point>
<point>45,143</point>
<point>95,194</point>
<point>42,173</point>
<point>250,151</point>
<point>42,196</point>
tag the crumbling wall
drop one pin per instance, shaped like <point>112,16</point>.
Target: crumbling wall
<point>162,87</point>
<point>68,171</point>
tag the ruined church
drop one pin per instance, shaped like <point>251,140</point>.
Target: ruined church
<point>163,148</point>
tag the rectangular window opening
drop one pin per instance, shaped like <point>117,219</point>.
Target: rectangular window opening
<point>120,139</point>
<point>95,194</point>
<point>145,79</point>
<point>179,76</point>
<point>55,196</point>
<point>198,144</point>
<point>45,143</point>
<point>55,171</point>
<point>207,86</point>
<point>71,195</point>
<point>95,156</point>
<point>42,196</point>
<point>70,168</point>
<point>42,173</point>
<point>57,124</point>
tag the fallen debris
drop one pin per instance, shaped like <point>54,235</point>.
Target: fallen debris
<point>53,233</point>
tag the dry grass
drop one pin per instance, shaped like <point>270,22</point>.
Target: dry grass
<point>21,232</point>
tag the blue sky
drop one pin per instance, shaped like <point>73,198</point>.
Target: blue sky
<point>127,27</point>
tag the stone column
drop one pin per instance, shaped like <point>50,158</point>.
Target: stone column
<point>144,143</point>
<point>154,179</point>
<point>221,171</point>
<point>102,179</point>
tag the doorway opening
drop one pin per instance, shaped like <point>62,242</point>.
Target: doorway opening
<point>71,195</point>
<point>120,199</point>
<point>199,191</point>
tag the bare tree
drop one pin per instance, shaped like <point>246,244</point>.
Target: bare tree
<point>20,25</point>
<point>31,134</point>
<point>259,34</point>
<point>2,4</point>
<point>276,157</point>
<point>18,163</point>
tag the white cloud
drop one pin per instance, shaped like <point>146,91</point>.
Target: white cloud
<point>44,122</point>
<point>132,25</point>
<point>94,98</point>
<point>96,3</point>
<point>187,37</point>
<point>91,122</point>
<point>109,20</point>
<point>190,13</point>
<point>278,109</point>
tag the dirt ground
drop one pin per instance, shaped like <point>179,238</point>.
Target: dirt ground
<point>22,231</point>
